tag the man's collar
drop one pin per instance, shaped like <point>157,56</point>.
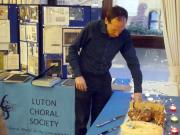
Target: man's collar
<point>103,27</point>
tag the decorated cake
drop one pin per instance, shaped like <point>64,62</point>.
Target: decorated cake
<point>144,118</point>
<point>147,111</point>
<point>140,128</point>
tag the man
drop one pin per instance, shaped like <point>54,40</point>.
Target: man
<point>100,41</point>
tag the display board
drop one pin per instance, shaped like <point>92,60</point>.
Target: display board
<point>9,37</point>
<point>29,39</point>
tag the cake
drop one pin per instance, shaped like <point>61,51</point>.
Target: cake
<point>140,128</point>
<point>147,112</point>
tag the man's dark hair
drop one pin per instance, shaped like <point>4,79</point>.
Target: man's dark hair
<point>117,11</point>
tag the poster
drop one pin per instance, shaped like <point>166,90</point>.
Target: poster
<point>70,35</point>
<point>56,16</point>
<point>4,31</point>
<point>52,36</point>
<point>3,12</point>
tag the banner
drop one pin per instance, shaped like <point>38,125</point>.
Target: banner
<point>32,110</point>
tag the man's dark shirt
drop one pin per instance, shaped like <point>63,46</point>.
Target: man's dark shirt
<point>98,50</point>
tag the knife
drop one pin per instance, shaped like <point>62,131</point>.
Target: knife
<point>109,130</point>
<point>109,121</point>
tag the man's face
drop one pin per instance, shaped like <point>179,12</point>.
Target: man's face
<point>116,26</point>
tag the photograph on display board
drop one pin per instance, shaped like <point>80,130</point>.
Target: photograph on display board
<point>52,39</point>
<point>3,12</point>
<point>69,35</point>
<point>56,16</point>
<point>18,1</point>
<point>24,13</point>
<point>70,73</point>
<point>76,13</point>
<point>57,69</point>
<point>4,31</point>
<point>23,55</point>
<point>12,1</point>
<point>33,65</point>
<point>31,32</point>
<point>22,32</point>
<point>13,48</point>
<point>33,60</point>
<point>29,13</point>
<point>5,1</point>
<point>65,55</point>
<point>23,2</point>
<point>33,13</point>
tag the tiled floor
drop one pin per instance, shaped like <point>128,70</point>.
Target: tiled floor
<point>154,69</point>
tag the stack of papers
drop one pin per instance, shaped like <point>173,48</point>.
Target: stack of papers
<point>17,78</point>
<point>46,81</point>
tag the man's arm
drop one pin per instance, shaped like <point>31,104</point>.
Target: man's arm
<point>80,42</point>
<point>75,48</point>
<point>129,54</point>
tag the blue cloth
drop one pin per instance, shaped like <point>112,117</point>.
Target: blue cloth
<point>98,51</point>
<point>118,105</point>
<point>38,110</point>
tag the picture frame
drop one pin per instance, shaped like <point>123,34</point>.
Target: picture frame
<point>70,35</point>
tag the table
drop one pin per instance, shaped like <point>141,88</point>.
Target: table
<point>117,105</point>
<point>33,110</point>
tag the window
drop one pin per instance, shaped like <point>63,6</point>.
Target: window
<point>154,20</point>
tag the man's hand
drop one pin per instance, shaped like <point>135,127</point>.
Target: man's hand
<point>138,97</point>
<point>80,83</point>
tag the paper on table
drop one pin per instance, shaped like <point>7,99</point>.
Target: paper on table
<point>3,12</point>
<point>4,31</point>
<point>56,16</point>
<point>52,40</point>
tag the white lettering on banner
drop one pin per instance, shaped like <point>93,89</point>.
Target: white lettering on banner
<point>42,122</point>
<point>44,102</point>
<point>43,112</point>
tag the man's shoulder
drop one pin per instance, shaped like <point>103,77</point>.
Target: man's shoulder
<point>126,32</point>
<point>94,24</point>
